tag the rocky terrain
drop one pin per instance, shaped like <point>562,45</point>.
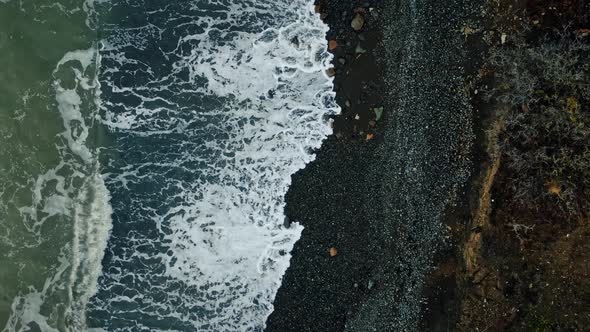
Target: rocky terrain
<point>454,193</point>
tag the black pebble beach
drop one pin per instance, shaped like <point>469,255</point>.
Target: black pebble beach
<point>380,186</point>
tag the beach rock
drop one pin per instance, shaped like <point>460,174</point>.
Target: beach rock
<point>333,252</point>
<point>332,45</point>
<point>342,60</point>
<point>357,22</point>
<point>331,72</point>
<point>378,113</point>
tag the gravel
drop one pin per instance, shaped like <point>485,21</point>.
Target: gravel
<point>382,205</point>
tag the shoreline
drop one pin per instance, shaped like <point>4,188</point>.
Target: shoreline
<point>373,202</point>
<point>327,196</point>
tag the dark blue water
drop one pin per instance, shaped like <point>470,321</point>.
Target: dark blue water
<point>210,107</point>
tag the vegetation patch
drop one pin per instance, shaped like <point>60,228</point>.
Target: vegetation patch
<point>546,146</point>
<point>526,252</point>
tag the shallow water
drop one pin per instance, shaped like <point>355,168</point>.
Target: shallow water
<point>147,148</point>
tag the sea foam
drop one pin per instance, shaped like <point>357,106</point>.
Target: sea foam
<point>225,103</point>
<point>73,197</point>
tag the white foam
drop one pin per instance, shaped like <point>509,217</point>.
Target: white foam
<point>69,102</point>
<point>72,193</point>
<point>91,230</point>
<point>227,237</point>
<point>27,308</point>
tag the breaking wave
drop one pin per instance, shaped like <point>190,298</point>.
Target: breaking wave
<point>211,107</point>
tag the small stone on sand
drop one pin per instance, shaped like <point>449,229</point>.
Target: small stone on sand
<point>332,44</point>
<point>333,252</point>
<point>357,22</point>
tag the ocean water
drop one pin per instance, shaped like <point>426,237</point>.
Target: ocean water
<point>146,150</point>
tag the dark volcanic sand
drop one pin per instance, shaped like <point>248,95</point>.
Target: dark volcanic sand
<point>380,202</point>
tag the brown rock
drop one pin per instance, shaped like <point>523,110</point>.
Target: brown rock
<point>333,252</point>
<point>332,44</point>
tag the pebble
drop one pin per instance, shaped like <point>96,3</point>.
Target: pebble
<point>332,44</point>
<point>333,252</point>
<point>357,22</point>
